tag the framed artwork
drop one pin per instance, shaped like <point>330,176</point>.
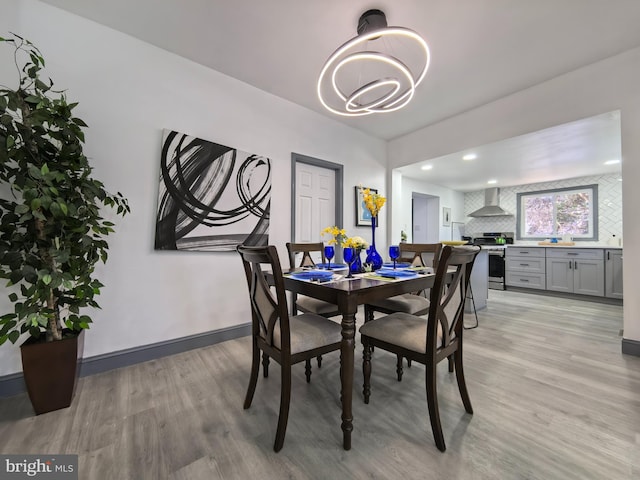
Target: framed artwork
<point>363,216</point>
<point>211,197</point>
<point>446,217</point>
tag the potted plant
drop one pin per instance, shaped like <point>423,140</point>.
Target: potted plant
<point>52,233</point>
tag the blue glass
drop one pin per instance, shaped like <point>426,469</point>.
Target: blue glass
<point>329,252</point>
<point>394,254</point>
<point>349,255</point>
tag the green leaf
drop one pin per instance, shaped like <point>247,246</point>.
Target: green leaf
<point>10,142</point>
<point>35,204</point>
<point>13,297</point>
<point>22,209</point>
<point>14,335</point>
<point>46,279</point>
<point>44,170</point>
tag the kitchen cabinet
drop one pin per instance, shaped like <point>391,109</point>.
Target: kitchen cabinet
<point>613,273</point>
<point>525,267</point>
<point>575,270</point>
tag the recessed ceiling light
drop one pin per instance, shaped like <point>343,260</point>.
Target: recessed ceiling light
<point>470,156</point>
<point>611,162</point>
<point>427,167</point>
<point>492,182</point>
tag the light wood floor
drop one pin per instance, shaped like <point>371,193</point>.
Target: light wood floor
<point>553,396</point>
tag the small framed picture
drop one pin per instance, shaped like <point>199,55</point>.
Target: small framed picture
<point>446,217</point>
<point>363,216</point>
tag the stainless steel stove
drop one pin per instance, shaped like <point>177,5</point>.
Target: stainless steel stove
<point>495,243</point>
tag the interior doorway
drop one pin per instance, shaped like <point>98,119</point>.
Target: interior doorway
<point>316,197</point>
<point>425,218</point>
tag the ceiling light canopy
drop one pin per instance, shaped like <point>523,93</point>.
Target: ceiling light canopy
<point>374,72</point>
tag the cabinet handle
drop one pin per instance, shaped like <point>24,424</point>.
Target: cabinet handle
<point>524,264</point>
<point>576,265</point>
<point>524,279</point>
<point>570,265</point>
<point>608,255</point>
<point>572,253</point>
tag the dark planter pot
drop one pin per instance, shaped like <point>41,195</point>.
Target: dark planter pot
<point>51,370</point>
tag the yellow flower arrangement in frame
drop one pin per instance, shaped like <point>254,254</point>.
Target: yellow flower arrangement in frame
<point>368,205</point>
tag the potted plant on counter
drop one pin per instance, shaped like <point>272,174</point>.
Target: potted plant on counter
<point>52,233</point>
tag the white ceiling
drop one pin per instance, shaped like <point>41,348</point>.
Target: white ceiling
<point>575,149</point>
<point>481,50</point>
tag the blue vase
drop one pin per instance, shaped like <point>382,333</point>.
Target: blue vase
<point>373,257</point>
<point>356,266</point>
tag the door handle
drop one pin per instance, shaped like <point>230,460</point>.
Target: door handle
<point>576,265</point>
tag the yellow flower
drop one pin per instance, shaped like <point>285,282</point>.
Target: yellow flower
<point>338,235</point>
<point>373,201</point>
<point>356,242</point>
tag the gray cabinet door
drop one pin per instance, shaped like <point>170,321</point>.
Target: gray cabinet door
<point>588,277</point>
<point>613,273</point>
<point>560,275</point>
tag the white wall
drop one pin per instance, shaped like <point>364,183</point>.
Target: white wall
<point>601,87</point>
<point>402,193</point>
<point>609,206</point>
<point>128,92</point>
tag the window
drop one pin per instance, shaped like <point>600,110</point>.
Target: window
<point>553,213</point>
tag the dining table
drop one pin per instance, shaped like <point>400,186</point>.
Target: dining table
<point>348,294</point>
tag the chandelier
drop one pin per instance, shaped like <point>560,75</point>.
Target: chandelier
<point>375,72</point>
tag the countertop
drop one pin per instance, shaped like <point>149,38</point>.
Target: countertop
<point>577,245</point>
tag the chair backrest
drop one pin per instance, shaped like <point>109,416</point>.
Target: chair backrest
<point>306,249</point>
<point>448,296</point>
<point>421,254</point>
<point>268,308</point>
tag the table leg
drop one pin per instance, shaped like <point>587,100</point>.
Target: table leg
<point>346,375</point>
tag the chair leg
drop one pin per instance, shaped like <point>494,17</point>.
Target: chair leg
<point>450,358</point>
<point>307,369</point>
<point>285,399</point>
<point>368,316</point>
<point>319,359</point>
<point>462,385</point>
<point>368,313</point>
<point>366,369</point>
<point>409,362</point>
<point>432,402</point>
<point>253,379</point>
<point>399,369</point>
<point>265,365</point>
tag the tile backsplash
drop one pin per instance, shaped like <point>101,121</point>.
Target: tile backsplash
<point>609,206</point>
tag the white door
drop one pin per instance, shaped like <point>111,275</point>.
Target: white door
<point>315,201</point>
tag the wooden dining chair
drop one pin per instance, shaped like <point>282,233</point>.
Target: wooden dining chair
<point>428,340</point>
<point>302,302</point>
<point>413,303</point>
<point>416,303</point>
<point>286,339</point>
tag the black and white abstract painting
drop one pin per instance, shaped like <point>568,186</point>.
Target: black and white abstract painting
<point>211,197</point>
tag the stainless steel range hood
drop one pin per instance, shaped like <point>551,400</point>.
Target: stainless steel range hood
<point>492,206</point>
